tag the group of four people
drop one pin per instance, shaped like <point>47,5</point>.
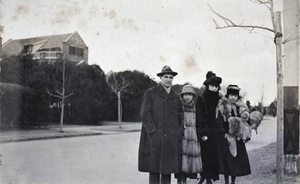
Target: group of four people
<point>187,136</point>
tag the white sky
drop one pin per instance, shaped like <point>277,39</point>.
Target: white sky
<point>145,35</point>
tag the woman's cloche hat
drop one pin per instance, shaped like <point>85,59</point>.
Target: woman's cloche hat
<point>188,89</point>
<point>166,70</point>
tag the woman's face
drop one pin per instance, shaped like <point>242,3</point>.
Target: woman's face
<point>213,88</point>
<point>187,97</point>
<point>232,98</point>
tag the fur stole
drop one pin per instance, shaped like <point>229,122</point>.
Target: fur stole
<point>238,108</point>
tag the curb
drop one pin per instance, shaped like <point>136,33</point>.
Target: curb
<point>103,132</point>
<point>48,137</point>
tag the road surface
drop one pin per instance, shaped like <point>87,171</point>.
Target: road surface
<point>100,159</point>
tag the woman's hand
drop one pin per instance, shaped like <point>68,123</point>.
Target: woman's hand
<point>204,138</point>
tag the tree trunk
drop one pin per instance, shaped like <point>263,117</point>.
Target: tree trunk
<point>278,41</point>
<point>63,97</point>
<point>62,115</point>
<point>119,109</point>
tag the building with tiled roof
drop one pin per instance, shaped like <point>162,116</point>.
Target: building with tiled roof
<point>49,48</point>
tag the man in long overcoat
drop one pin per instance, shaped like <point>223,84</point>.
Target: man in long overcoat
<point>162,130</point>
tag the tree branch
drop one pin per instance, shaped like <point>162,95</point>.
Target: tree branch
<point>230,24</point>
<point>290,38</point>
<point>51,94</point>
<point>72,93</point>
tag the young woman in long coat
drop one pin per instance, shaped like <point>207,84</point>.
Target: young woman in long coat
<point>191,163</point>
<point>206,127</point>
<point>234,157</point>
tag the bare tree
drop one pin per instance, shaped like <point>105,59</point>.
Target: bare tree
<point>61,88</point>
<point>276,22</point>
<point>118,83</point>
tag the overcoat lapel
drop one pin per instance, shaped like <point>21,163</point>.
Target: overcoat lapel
<point>163,93</point>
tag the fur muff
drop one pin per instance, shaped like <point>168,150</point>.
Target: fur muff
<point>255,120</point>
<point>240,128</point>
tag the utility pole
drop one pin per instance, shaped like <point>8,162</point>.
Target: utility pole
<point>279,158</point>
<point>291,86</point>
<point>1,31</point>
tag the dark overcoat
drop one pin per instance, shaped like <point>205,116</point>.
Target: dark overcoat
<point>162,132</point>
<point>206,125</point>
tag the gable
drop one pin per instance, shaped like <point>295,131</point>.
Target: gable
<point>76,40</point>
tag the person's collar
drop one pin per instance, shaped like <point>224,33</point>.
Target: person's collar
<point>168,90</point>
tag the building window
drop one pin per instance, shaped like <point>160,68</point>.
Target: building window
<point>79,52</point>
<point>72,50</point>
<point>76,51</point>
<point>27,49</point>
<point>43,55</point>
<point>55,49</point>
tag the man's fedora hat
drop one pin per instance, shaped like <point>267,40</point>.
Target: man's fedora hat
<point>166,70</point>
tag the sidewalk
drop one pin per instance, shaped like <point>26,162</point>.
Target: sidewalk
<point>53,131</point>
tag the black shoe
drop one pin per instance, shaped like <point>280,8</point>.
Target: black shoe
<point>208,181</point>
<point>201,180</point>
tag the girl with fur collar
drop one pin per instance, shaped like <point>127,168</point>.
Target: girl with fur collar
<point>191,163</point>
<point>232,116</point>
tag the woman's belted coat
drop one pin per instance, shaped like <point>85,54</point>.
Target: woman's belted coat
<point>162,132</point>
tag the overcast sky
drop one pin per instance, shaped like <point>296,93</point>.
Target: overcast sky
<point>145,35</point>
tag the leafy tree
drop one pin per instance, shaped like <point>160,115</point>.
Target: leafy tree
<point>11,70</point>
<point>272,109</point>
<point>132,98</point>
<point>35,101</point>
<point>92,97</point>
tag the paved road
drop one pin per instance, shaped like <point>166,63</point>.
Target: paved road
<point>94,159</point>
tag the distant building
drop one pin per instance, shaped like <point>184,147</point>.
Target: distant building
<point>49,48</point>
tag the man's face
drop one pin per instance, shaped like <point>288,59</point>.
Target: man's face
<point>166,80</point>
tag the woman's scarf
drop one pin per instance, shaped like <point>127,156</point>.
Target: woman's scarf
<point>188,106</point>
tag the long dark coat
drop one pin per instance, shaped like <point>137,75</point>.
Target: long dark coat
<point>162,132</point>
<point>229,165</point>
<point>206,125</point>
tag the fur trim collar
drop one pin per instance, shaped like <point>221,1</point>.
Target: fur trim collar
<point>225,107</point>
